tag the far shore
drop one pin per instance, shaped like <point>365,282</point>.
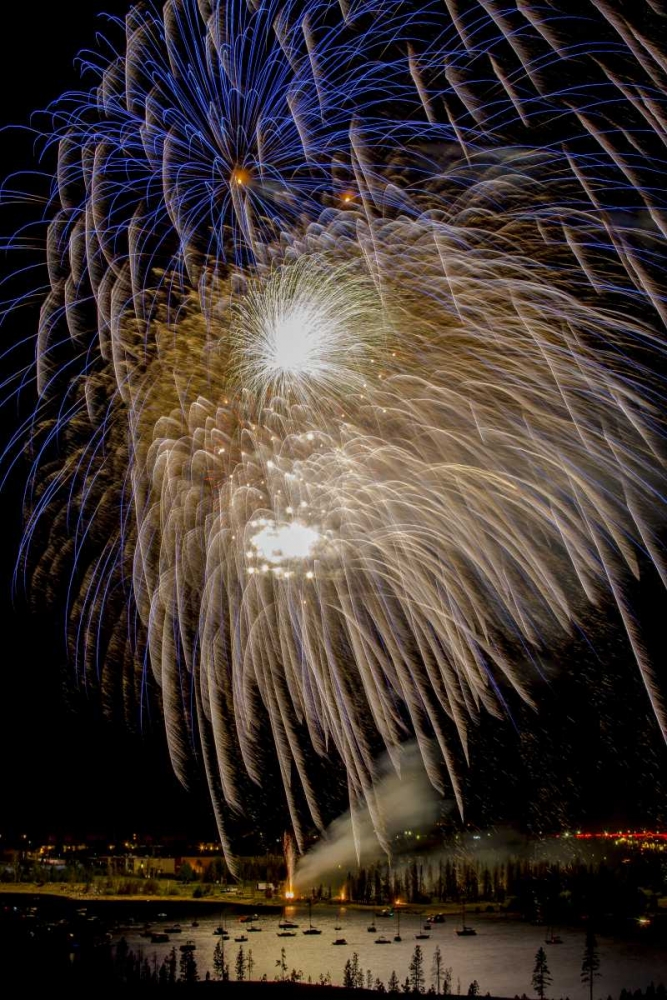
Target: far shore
<point>76,893</point>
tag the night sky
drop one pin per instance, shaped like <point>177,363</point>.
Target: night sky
<point>594,755</point>
<point>64,767</point>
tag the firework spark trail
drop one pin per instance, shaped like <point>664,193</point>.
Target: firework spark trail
<point>338,350</point>
<point>373,561</point>
<point>208,136</point>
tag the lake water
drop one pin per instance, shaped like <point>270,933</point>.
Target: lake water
<point>501,957</point>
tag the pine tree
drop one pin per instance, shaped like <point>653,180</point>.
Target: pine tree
<point>239,966</point>
<point>219,964</point>
<point>541,974</point>
<point>250,963</point>
<point>393,985</point>
<point>356,973</point>
<point>171,966</point>
<point>188,967</point>
<point>281,963</point>
<point>473,989</point>
<point>218,959</point>
<point>436,968</point>
<point>591,962</point>
<point>416,968</point>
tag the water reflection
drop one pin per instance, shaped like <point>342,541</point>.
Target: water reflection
<point>500,956</point>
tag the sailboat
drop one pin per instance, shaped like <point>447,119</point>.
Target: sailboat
<point>311,929</point>
<point>552,938</point>
<point>421,935</point>
<point>465,931</point>
<point>340,939</point>
<point>287,927</point>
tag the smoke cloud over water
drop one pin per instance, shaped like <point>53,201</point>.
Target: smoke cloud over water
<point>402,801</point>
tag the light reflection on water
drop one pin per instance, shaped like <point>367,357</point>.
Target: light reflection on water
<point>501,957</point>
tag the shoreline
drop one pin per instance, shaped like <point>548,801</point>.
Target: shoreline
<point>65,893</point>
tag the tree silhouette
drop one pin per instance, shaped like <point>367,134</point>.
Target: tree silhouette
<point>436,968</point>
<point>171,966</point>
<point>353,976</point>
<point>541,974</point>
<point>240,964</point>
<point>188,967</point>
<point>220,967</point>
<point>591,962</point>
<point>281,963</point>
<point>416,969</point>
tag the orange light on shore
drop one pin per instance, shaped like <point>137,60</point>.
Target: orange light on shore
<point>289,894</point>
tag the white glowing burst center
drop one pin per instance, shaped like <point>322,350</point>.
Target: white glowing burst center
<point>286,542</point>
<point>300,341</point>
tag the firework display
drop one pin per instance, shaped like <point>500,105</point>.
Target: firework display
<point>349,372</point>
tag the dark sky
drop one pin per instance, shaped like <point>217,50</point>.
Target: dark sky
<point>63,766</point>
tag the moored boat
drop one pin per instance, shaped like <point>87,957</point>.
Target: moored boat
<point>464,930</point>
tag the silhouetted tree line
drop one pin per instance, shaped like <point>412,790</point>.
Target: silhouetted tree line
<point>651,992</point>
<point>536,890</point>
